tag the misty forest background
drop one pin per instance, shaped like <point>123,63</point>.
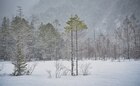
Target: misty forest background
<point>116,37</point>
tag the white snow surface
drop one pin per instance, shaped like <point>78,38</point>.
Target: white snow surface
<point>102,73</point>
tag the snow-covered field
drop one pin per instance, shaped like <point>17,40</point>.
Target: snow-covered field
<point>102,73</point>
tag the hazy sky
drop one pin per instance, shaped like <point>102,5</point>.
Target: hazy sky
<point>9,7</point>
<point>97,14</point>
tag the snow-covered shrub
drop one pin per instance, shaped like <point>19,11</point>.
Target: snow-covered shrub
<point>31,68</point>
<point>49,73</point>
<point>61,70</point>
<point>59,67</point>
<point>85,69</point>
<point>66,71</point>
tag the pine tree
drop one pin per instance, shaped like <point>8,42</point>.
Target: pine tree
<point>19,61</point>
<point>20,29</point>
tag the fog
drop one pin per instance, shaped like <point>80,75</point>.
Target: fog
<point>100,15</point>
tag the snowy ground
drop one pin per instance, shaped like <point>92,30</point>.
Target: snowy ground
<point>102,73</point>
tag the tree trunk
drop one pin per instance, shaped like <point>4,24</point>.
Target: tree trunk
<point>72,63</point>
<point>76,53</point>
<point>128,45</point>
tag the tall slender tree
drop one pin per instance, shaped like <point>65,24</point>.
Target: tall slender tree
<point>74,24</point>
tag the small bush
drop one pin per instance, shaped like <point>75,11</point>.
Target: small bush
<point>31,68</point>
<point>85,69</point>
<point>61,70</point>
<point>49,73</point>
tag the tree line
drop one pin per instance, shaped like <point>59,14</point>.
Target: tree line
<point>46,42</point>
